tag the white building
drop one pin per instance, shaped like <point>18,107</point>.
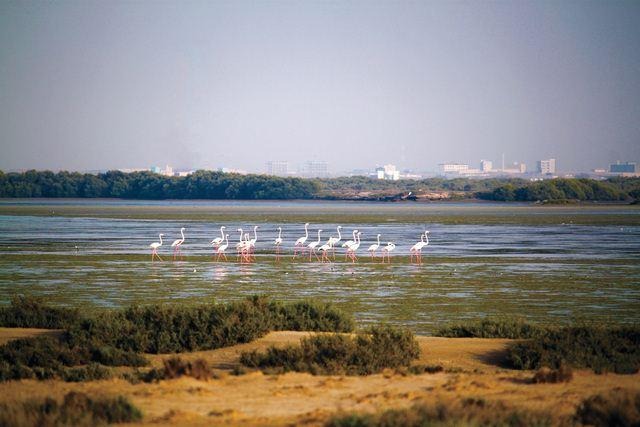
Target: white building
<point>547,166</point>
<point>278,167</point>
<point>486,165</point>
<point>388,172</point>
<point>315,169</point>
<point>453,168</point>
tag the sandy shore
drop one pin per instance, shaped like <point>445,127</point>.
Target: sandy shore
<point>472,369</point>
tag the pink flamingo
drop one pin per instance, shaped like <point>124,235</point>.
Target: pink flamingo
<point>386,250</point>
<point>416,250</point>
<point>177,244</point>
<point>222,248</point>
<point>325,249</point>
<point>278,242</point>
<point>299,245</point>
<point>353,248</point>
<point>312,247</point>
<point>334,240</point>
<point>218,240</point>
<point>154,246</point>
<point>348,244</point>
<point>373,248</point>
<point>252,245</point>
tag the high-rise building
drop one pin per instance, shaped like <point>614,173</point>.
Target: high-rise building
<point>547,166</point>
<point>278,167</point>
<point>315,169</point>
<point>486,165</point>
<point>627,167</point>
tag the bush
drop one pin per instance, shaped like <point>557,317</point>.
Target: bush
<point>116,338</point>
<point>366,353</point>
<point>31,312</point>
<point>563,374</point>
<point>77,409</point>
<point>492,328</point>
<point>600,348</point>
<point>465,412</point>
<point>172,329</point>
<point>175,367</point>
<point>310,316</point>
<point>618,408</point>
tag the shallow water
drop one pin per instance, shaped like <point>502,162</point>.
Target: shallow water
<point>543,272</point>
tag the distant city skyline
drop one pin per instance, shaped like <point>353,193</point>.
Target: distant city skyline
<point>235,84</point>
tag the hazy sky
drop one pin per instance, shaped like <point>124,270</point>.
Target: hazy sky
<point>97,85</point>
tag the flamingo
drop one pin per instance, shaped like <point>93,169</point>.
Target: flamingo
<point>325,249</point>
<point>373,248</point>
<point>222,248</point>
<point>386,250</point>
<point>348,243</point>
<point>334,240</point>
<point>154,246</point>
<point>416,250</point>
<point>278,242</point>
<point>353,248</point>
<point>299,246</point>
<point>252,244</point>
<point>240,245</point>
<point>218,240</point>
<point>312,247</point>
<point>177,244</point>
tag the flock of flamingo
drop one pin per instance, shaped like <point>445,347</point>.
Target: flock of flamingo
<point>245,248</point>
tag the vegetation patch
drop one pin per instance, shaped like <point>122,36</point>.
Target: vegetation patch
<point>76,409</point>
<point>563,374</point>
<point>492,328</point>
<point>601,348</point>
<point>32,312</point>
<point>175,367</point>
<point>365,353</point>
<point>469,411</point>
<point>617,408</point>
<point>118,337</point>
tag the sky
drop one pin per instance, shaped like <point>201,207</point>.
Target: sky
<point>88,85</point>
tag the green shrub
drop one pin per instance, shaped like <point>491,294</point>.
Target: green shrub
<point>366,353</point>
<point>32,312</point>
<point>91,372</point>
<point>617,408</point>
<point>492,328</point>
<point>600,348</point>
<point>465,412</point>
<point>310,316</point>
<point>76,409</point>
<point>117,337</point>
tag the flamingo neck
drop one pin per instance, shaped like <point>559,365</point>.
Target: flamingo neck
<point>318,236</point>
<point>306,231</point>
<point>427,237</point>
<point>160,235</point>
<point>222,232</point>
<point>255,233</point>
<point>378,240</point>
<point>182,233</point>
<point>339,235</point>
<point>279,233</point>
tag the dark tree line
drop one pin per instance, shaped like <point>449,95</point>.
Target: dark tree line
<point>218,185</point>
<point>148,185</point>
<point>582,189</point>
